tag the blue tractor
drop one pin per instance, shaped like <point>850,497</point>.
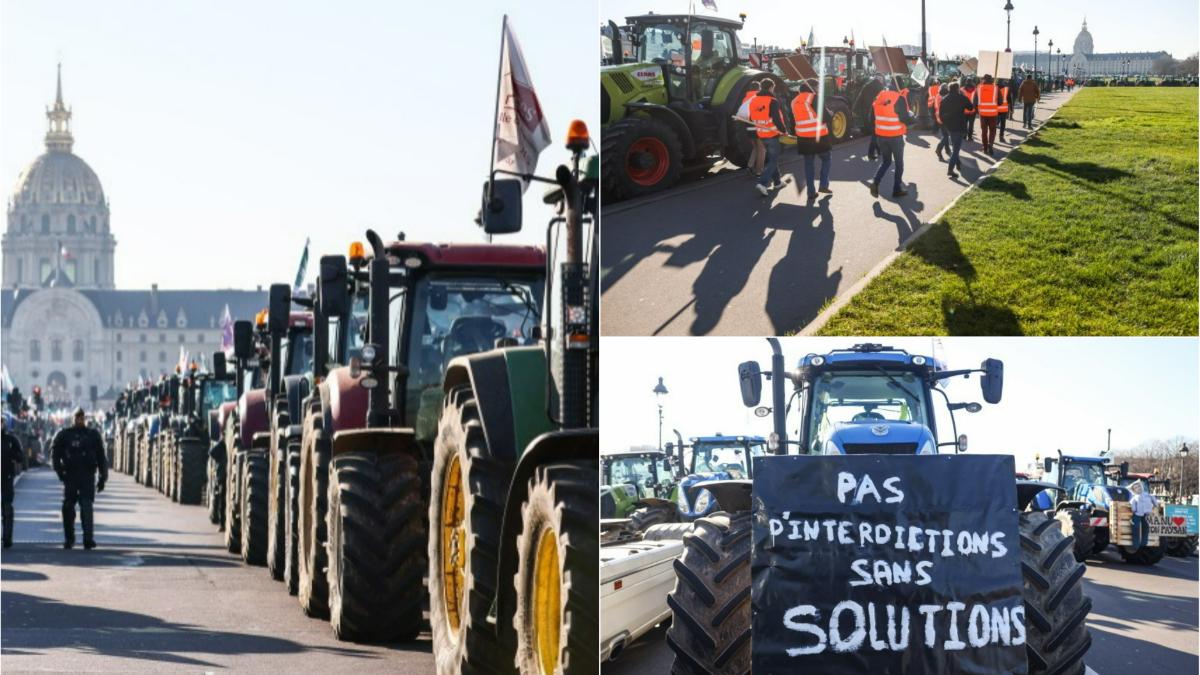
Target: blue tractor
<point>713,458</point>
<point>868,399</point>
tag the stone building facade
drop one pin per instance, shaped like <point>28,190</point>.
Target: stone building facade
<point>1083,61</point>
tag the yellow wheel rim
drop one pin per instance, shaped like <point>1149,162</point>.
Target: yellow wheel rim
<point>547,614</point>
<point>454,543</point>
<point>839,124</point>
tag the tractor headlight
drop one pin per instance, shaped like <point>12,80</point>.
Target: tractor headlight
<point>817,361</point>
<point>927,448</point>
<point>831,448</point>
<point>368,354</point>
<point>681,500</point>
<point>703,500</point>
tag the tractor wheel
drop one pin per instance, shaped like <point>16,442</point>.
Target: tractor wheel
<point>840,122</point>
<point>277,502</point>
<point>466,509</point>
<point>1074,523</point>
<point>639,155</point>
<point>376,533</point>
<point>710,627</point>
<point>1055,605</point>
<point>1182,547</point>
<point>646,516</point>
<point>1101,541</point>
<point>192,465</point>
<point>215,493</point>
<point>291,538</point>
<point>255,497</point>
<point>1146,555</point>
<point>233,521</point>
<point>313,591</point>
<point>556,621</point>
<point>667,532</point>
<point>737,150</point>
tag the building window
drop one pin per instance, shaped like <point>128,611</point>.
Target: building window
<point>119,357</point>
<point>162,337</point>
<point>96,270</point>
<point>181,338</point>
<point>142,337</point>
<point>56,350</point>
<point>200,337</point>
<point>70,224</point>
<point>35,373</point>
<point>35,351</point>
<point>45,224</point>
<point>20,269</point>
<point>91,224</point>
<point>119,374</point>
<point>77,351</point>
<point>142,356</point>
<point>162,357</point>
<point>78,392</point>
<point>118,337</point>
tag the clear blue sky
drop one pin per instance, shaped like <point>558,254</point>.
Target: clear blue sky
<point>225,132</point>
<point>1059,393</point>
<point>954,26</point>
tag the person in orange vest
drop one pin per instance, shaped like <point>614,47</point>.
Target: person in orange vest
<point>767,115</point>
<point>968,90</point>
<point>758,153</point>
<point>932,88</point>
<point>1005,106</point>
<point>987,103</point>
<point>892,116</point>
<point>812,139</point>
<point>944,144</point>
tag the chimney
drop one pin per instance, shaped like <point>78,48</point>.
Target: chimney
<point>153,299</point>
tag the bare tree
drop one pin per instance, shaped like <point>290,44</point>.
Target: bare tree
<point>1166,460</point>
<point>1188,66</point>
<point>1164,65</point>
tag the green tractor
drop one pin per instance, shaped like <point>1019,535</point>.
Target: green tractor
<point>672,107</point>
<point>641,486</point>
<point>850,88</point>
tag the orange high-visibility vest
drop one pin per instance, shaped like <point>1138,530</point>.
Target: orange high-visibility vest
<point>808,124</point>
<point>886,122</point>
<point>760,114</point>
<point>937,109</point>
<point>1003,99</point>
<point>988,107</point>
<point>933,93</point>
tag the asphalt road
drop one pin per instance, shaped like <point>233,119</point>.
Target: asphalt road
<point>1143,620</point>
<point>159,593</point>
<point>712,256</point>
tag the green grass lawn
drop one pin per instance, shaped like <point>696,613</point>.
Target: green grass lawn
<point>1089,228</point>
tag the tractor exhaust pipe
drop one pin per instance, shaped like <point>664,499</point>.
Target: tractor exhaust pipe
<point>778,394</point>
<point>377,329</point>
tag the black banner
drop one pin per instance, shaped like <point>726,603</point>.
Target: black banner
<point>886,564</point>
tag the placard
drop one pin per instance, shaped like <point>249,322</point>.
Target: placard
<point>886,564</point>
<point>968,67</point>
<point>997,64</point>
<point>795,67</point>
<point>889,60</point>
<point>1189,514</point>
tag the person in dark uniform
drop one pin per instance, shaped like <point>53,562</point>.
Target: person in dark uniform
<point>76,454</point>
<point>10,462</point>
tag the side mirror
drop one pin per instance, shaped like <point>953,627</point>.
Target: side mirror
<point>279,309</point>
<point>1048,464</point>
<point>750,376</point>
<point>962,442</point>
<point>1124,469</point>
<point>333,289</point>
<point>992,383</point>
<point>500,212</point>
<point>243,340</point>
<point>219,371</point>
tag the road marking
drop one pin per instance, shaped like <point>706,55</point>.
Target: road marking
<point>841,301</point>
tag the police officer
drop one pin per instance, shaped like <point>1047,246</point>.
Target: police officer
<point>10,462</point>
<point>77,453</point>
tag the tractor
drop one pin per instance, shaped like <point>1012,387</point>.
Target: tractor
<point>245,443</point>
<point>427,304</point>
<point>640,486</point>
<point>1084,503</point>
<point>850,88</point>
<point>865,400</point>
<point>672,107</point>
<point>513,512</point>
<point>201,395</point>
<point>713,458</point>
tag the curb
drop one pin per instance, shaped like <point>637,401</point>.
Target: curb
<point>842,300</point>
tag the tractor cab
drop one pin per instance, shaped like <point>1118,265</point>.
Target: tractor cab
<point>631,477</point>
<point>1084,481</point>
<point>714,458</point>
<point>694,52</point>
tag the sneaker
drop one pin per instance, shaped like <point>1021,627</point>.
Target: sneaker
<point>762,189</point>
<point>951,175</point>
<point>899,193</point>
<point>939,154</point>
<point>68,544</point>
<point>825,191</point>
<point>874,190</point>
<point>89,544</point>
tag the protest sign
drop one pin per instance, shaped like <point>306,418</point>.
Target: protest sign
<point>997,64</point>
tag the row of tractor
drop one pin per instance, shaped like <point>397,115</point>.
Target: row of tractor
<point>419,430</point>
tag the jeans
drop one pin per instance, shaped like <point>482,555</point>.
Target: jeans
<point>1003,124</point>
<point>810,165</point>
<point>943,144</point>
<point>873,148</point>
<point>78,489</point>
<point>970,126</point>
<point>891,147</point>
<point>1141,532</point>
<point>770,173</point>
<point>1028,121</point>
<point>987,131</point>
<point>956,141</point>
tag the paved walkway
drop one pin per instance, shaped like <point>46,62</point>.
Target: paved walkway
<point>159,594</point>
<point>714,257</point>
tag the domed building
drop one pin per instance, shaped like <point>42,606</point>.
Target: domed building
<point>63,324</point>
<point>1083,61</point>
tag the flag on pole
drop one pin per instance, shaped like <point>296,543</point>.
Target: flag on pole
<point>62,251</point>
<point>183,361</point>
<point>811,40</point>
<point>710,4</point>
<point>302,270</point>
<point>5,380</point>
<point>226,331</point>
<point>521,132</point>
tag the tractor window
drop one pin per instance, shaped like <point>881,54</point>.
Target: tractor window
<point>215,393</point>
<point>636,470</point>
<point>863,398</point>
<point>352,335</point>
<point>299,352</point>
<point>454,316</point>
<point>1082,474</point>
<point>713,52</point>
<point>731,459</point>
<point>661,44</point>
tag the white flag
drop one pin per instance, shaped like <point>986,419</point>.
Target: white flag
<point>521,129</point>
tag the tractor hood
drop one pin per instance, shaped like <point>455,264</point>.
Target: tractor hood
<point>880,437</point>
<point>694,503</point>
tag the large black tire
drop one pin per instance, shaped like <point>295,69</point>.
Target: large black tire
<point>193,462</point>
<point>1075,523</point>
<point>1181,547</point>
<point>255,495</point>
<point>233,519</point>
<point>628,169</point>
<point>215,493</point>
<point>646,516</point>
<point>560,535</point>
<point>710,627</point>
<point>1146,555</point>
<point>1056,608</point>
<point>291,540</point>
<point>313,591</point>
<point>466,511</point>
<point>667,531</point>
<point>376,537</point>
<point>277,489</point>
<point>1101,541</point>
<point>841,122</point>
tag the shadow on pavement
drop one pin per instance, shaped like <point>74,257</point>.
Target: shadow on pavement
<point>19,575</point>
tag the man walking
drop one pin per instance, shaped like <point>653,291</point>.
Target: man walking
<point>954,110</point>
<point>1029,95</point>
<point>10,462</point>
<point>987,103</point>
<point>1005,107</point>
<point>891,124</point>
<point>1142,505</point>
<point>77,453</point>
<point>767,115</point>
<point>812,136</point>
<point>968,90</point>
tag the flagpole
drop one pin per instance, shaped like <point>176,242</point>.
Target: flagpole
<point>496,112</point>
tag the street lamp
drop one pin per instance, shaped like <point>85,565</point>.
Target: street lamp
<point>1059,51</point>
<point>660,390</point>
<point>1035,34</point>
<point>1008,8</point>
<point>1183,454</point>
